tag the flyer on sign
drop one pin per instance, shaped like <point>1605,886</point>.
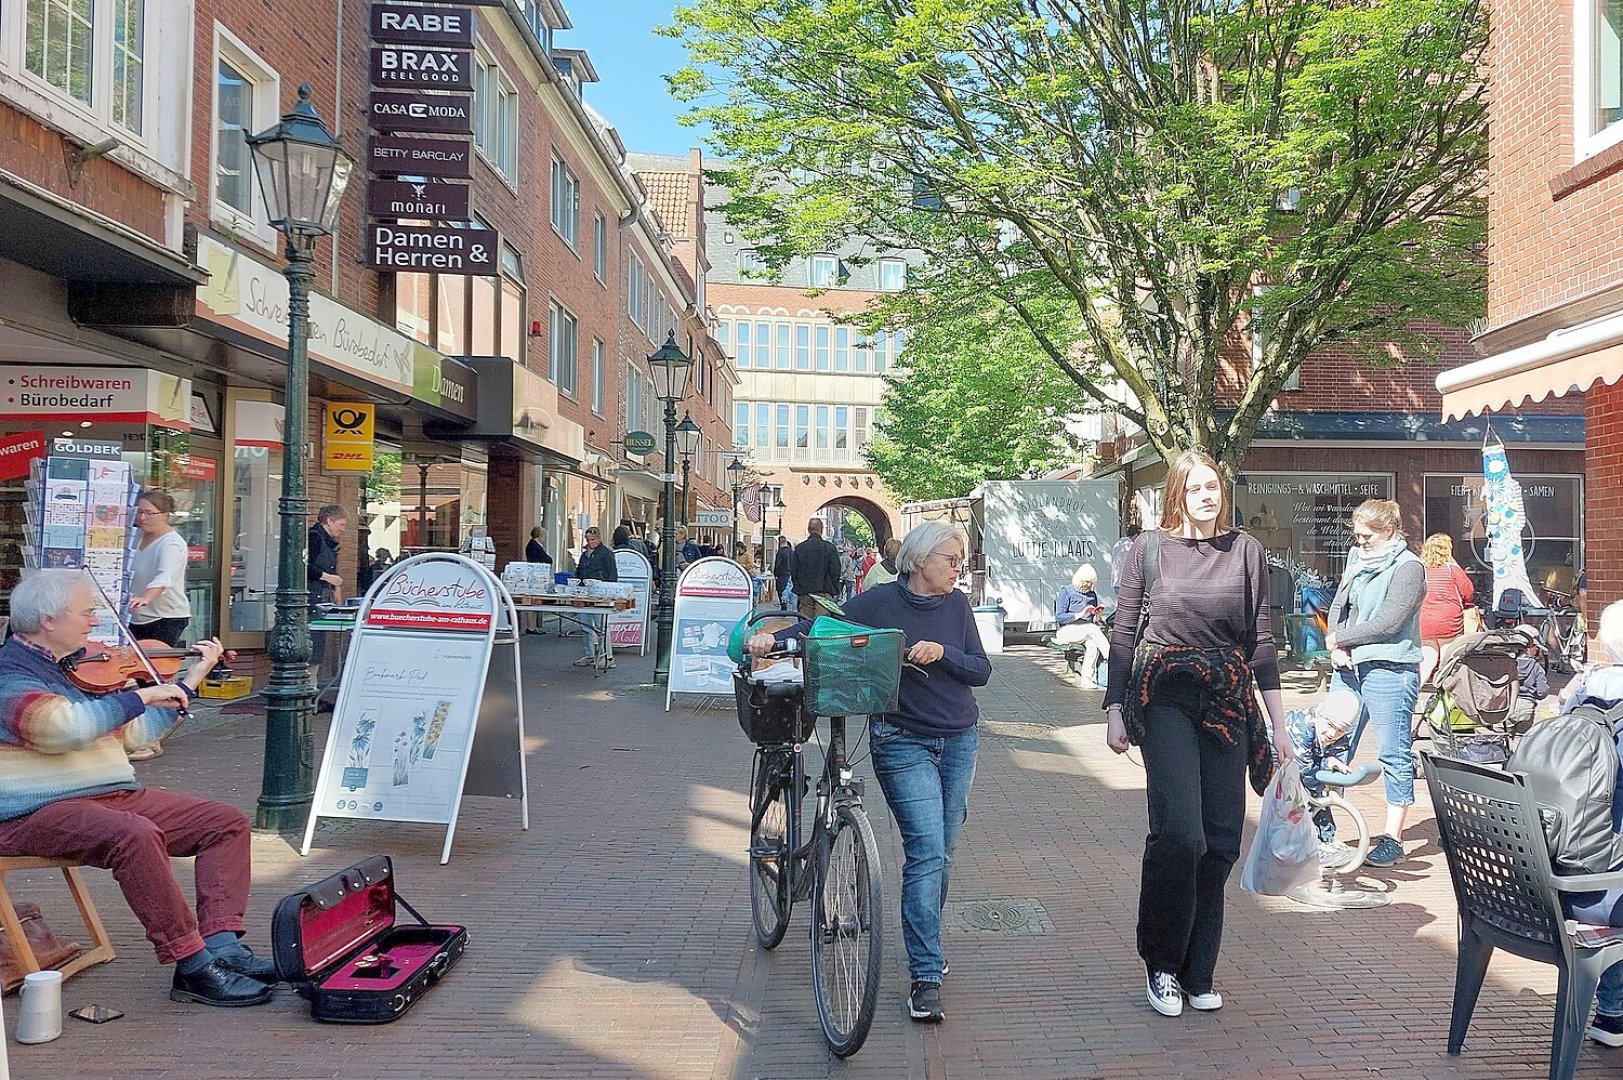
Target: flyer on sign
<point>406,736</point>
<point>711,597</point>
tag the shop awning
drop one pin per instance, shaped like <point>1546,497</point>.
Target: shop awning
<point>57,237</point>
<point>1568,361</point>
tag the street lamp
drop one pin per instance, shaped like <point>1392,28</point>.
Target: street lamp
<point>671,368</point>
<point>735,470</point>
<point>687,433</point>
<point>302,173</point>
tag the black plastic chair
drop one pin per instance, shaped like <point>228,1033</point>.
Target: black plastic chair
<point>1509,898</point>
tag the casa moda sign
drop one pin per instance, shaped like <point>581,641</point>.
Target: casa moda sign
<point>436,114</point>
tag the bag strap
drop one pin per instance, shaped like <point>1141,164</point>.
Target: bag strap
<point>401,900</point>
<point>1152,565</point>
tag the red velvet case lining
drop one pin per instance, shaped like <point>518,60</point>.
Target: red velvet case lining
<point>363,915</point>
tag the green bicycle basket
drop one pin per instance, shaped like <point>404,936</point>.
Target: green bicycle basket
<point>852,670</point>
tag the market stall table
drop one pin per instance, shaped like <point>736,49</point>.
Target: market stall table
<point>575,609</point>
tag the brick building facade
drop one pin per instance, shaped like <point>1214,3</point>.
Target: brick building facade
<point>135,236</point>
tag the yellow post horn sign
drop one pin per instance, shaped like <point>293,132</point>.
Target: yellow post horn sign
<point>348,446</point>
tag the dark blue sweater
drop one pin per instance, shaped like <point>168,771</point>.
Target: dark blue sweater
<point>942,703</point>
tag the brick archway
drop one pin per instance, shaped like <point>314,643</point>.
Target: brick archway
<point>875,515</point>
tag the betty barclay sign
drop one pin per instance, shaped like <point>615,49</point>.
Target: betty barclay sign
<point>434,596</point>
<point>448,158</point>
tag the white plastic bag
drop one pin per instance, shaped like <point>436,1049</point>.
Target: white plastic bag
<point>1285,851</point>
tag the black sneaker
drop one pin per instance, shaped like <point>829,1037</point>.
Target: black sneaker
<point>1164,993</point>
<point>924,1003</point>
<point>1607,1030</point>
<point>215,984</point>
<point>1384,852</point>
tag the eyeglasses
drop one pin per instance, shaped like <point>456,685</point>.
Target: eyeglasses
<point>954,561</point>
<point>141,513</point>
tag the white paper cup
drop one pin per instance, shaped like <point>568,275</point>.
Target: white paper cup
<point>39,1017</point>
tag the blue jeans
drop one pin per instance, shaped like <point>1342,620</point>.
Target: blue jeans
<point>590,627</point>
<point>926,780</point>
<point>1388,692</point>
<point>1601,909</point>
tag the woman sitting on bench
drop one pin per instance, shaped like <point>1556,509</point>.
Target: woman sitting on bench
<point>1077,613</point>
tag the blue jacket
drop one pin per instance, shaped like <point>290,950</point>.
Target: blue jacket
<point>1070,604</point>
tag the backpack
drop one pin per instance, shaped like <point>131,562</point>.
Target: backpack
<point>1571,764</point>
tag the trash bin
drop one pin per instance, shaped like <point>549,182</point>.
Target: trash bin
<point>989,623</point>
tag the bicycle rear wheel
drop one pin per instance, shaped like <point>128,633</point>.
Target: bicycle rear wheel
<point>847,931</point>
<point>769,846</point>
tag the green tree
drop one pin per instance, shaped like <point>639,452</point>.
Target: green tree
<point>978,400</point>
<point>383,482</point>
<point>1152,163</point>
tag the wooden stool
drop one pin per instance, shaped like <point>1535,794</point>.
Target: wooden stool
<point>101,949</point>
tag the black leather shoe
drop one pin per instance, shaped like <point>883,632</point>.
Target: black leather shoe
<point>216,984</point>
<point>246,963</point>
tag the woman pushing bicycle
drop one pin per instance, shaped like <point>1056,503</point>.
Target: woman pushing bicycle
<point>924,753</point>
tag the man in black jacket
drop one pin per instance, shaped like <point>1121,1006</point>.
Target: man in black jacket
<point>322,577</point>
<point>596,564</point>
<point>816,570</point>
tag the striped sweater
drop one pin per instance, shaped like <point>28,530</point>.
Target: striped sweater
<point>57,742</point>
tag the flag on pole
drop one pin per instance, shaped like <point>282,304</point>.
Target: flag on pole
<point>1506,520</point>
<point>750,500</point>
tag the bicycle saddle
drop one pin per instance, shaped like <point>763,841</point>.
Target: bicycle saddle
<point>1361,774</point>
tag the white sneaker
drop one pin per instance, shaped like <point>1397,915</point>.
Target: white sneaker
<point>1210,1001</point>
<point>1333,854</point>
<point>1164,994</point>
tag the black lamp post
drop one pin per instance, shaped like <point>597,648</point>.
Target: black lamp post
<point>302,174</point>
<point>735,470</point>
<point>671,368</point>
<point>687,435</point>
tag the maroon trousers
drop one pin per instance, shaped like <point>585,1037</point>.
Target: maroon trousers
<point>134,834</point>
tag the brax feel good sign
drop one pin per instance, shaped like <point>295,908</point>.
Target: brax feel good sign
<point>421,148</point>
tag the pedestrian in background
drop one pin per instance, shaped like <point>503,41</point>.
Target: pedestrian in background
<point>1184,695</point>
<point>924,753</point>
<point>1079,617</point>
<point>159,609</point>
<point>1374,642</point>
<point>816,570</point>
<point>782,569</point>
<point>596,564</point>
<point>1448,595</point>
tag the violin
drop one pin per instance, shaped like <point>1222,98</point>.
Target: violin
<point>113,667</point>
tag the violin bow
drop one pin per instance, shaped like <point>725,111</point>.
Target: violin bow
<point>129,637</point>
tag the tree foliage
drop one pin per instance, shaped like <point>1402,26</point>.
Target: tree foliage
<point>1149,163</point>
<point>977,401</point>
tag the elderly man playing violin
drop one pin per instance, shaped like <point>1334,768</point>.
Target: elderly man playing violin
<point>68,791</point>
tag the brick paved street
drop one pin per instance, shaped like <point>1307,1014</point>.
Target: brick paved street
<point>613,939</point>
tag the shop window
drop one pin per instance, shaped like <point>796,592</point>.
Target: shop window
<point>414,306</point>
<point>1552,540</point>
<point>1302,519</point>
<point>598,387</point>
<point>256,490</point>
<point>451,324</point>
<point>483,327</point>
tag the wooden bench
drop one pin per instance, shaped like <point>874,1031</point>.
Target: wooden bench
<point>101,948</point>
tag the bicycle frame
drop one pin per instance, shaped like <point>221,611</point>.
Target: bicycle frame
<point>835,786</point>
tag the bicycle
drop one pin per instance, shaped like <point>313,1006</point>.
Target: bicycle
<point>836,867</point>
<point>1564,638</point>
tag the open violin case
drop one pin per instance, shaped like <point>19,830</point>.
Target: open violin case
<point>339,944</point>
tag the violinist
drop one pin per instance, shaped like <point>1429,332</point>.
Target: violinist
<point>67,791</point>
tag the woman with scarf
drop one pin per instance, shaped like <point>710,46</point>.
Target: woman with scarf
<point>1374,643</point>
<point>924,753</point>
<point>1183,692</point>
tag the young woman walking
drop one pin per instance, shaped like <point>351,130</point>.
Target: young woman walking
<point>1184,695</point>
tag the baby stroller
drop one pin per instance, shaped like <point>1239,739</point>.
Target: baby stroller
<point>1467,715</point>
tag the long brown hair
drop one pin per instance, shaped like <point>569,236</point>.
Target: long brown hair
<point>1178,480</point>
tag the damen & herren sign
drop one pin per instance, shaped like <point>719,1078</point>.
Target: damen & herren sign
<point>401,248</point>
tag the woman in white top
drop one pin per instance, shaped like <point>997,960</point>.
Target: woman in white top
<point>159,609</point>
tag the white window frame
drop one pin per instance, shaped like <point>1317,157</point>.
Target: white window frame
<point>1586,143</point>
<point>568,228</point>
<point>161,152</point>
<point>750,261</point>
<point>600,247</point>
<point>599,379</point>
<point>499,150</point>
<point>267,93</point>
<point>560,319</point>
<point>1258,336</point>
<point>831,263</point>
<point>897,265</point>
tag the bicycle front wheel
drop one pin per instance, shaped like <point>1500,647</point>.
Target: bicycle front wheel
<point>769,850</point>
<point>847,931</point>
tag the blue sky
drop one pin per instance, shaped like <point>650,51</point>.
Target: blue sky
<point>632,63</point>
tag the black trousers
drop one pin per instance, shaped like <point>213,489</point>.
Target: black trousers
<point>1196,788</point>
<point>169,631</point>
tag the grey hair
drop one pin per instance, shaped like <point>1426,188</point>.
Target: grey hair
<point>1610,633</point>
<point>1084,577</point>
<point>925,538</point>
<point>41,595</point>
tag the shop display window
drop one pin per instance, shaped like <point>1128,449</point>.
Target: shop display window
<point>1553,538</point>
<point>256,492</point>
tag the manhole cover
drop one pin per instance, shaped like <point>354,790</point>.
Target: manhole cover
<point>998,917</point>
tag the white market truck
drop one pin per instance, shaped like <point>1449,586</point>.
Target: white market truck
<point>1031,535</point>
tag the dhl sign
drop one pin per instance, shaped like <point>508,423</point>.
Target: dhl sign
<point>348,445</point>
